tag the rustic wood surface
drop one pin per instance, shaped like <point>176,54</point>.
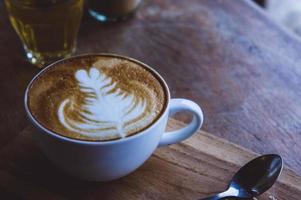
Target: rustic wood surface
<point>198,167</point>
<point>228,56</point>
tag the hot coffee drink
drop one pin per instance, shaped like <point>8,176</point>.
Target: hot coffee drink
<point>97,97</point>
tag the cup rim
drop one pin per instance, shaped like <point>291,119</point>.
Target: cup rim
<point>97,142</point>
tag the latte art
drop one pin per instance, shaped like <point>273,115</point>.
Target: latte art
<point>107,110</point>
<point>99,97</point>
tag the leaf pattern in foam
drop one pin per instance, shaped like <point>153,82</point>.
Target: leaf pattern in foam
<point>102,107</point>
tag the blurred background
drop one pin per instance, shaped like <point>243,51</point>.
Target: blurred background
<point>286,12</point>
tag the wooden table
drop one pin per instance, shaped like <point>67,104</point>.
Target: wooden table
<point>228,56</point>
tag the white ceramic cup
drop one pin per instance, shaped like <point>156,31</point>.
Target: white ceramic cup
<point>109,160</point>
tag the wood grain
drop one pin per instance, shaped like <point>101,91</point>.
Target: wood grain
<point>200,166</point>
<point>228,56</point>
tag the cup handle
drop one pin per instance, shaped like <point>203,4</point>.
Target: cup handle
<point>178,105</point>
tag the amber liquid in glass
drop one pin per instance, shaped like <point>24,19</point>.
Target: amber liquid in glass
<point>47,28</point>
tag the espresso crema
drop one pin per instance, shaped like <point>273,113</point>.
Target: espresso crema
<point>100,97</point>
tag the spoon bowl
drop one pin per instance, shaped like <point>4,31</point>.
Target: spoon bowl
<point>258,175</point>
<point>254,178</point>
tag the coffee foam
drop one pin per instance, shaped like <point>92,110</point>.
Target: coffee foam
<point>97,98</point>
